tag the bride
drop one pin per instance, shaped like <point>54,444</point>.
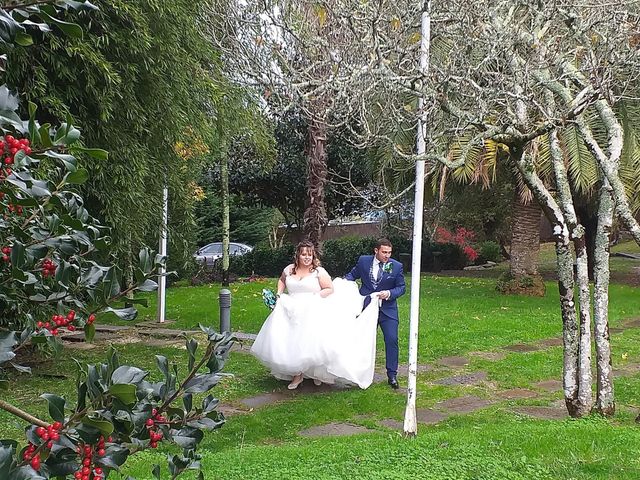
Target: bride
<point>318,330</point>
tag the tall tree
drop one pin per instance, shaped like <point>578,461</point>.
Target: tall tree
<point>138,96</point>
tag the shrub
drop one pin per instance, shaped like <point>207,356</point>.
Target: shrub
<point>489,252</point>
<point>341,254</point>
<point>270,261</point>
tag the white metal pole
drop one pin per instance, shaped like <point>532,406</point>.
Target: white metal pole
<point>162,280</point>
<point>410,420</point>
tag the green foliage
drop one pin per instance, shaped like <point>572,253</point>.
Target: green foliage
<point>489,252</point>
<point>282,184</point>
<point>341,254</point>
<point>136,95</point>
<point>119,412</point>
<point>249,224</point>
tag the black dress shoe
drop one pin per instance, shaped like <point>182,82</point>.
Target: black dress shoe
<point>393,382</point>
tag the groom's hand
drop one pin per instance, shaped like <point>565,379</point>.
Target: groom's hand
<point>384,295</point>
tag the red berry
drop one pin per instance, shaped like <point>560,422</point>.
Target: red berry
<point>97,471</point>
<point>40,431</point>
<point>8,160</point>
<point>9,138</point>
<point>50,444</point>
<point>101,452</point>
<point>55,436</point>
<point>35,462</point>
<point>57,425</point>
<point>86,462</point>
<point>86,470</point>
<point>77,475</point>
<point>150,422</point>
<point>71,328</point>
<point>153,444</point>
<point>91,319</point>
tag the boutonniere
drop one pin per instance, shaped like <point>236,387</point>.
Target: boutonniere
<point>387,267</point>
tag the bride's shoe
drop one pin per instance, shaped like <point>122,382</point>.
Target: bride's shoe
<point>317,382</point>
<point>297,380</point>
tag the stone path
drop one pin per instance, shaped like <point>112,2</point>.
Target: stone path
<point>457,366</point>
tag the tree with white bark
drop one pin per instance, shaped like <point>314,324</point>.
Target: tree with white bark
<point>511,73</point>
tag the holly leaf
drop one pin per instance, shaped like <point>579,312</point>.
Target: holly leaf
<point>56,406</point>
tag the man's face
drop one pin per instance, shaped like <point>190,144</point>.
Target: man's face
<point>383,254</point>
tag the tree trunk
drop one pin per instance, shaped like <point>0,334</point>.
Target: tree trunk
<point>315,215</point>
<point>580,401</point>
<point>604,391</point>
<point>224,180</point>
<point>589,220</point>
<point>571,372</point>
<point>525,238</point>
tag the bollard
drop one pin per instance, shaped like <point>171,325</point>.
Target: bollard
<point>225,310</point>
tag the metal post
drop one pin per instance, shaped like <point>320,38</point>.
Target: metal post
<point>162,280</point>
<point>225,310</point>
<point>410,420</point>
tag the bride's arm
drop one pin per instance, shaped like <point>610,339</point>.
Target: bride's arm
<point>326,285</point>
<point>282,280</point>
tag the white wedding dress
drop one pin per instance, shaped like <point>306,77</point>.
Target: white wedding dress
<point>329,339</point>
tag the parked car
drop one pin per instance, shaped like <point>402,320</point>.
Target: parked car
<point>213,251</point>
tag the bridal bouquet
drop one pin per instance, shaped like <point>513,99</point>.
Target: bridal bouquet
<point>269,298</point>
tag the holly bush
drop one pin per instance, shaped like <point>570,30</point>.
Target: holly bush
<point>56,274</point>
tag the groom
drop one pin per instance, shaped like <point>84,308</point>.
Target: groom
<point>380,273</point>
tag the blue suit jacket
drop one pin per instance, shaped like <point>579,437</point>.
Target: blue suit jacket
<point>393,281</point>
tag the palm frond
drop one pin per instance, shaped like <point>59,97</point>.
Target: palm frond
<point>581,166</point>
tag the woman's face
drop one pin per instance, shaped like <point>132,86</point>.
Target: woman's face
<point>305,257</point>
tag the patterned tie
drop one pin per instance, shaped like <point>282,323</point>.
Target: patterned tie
<point>379,274</point>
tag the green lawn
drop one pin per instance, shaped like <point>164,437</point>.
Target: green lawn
<point>458,316</point>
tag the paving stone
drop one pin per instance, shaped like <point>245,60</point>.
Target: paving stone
<point>628,370</point>
<point>80,345</point>
<point>245,336</point>
<point>167,332</point>
<point>335,430</point>
<point>516,394</point>
<point>308,387</point>
<point>79,336</point>
<point>264,399</point>
<point>454,362</point>
<point>633,323</point>
<point>545,413</point>
<point>467,404</point>
<point>521,348</point>
<point>113,328</point>
<point>466,379</point>
<point>429,417</point>
<point>392,424</point>
<point>403,369</point>
<point>491,356</point>
<point>551,342</point>
<point>549,385</point>
<point>229,411</point>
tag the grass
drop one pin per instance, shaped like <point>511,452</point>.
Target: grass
<point>458,316</point>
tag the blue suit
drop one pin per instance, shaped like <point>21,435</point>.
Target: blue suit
<point>388,317</point>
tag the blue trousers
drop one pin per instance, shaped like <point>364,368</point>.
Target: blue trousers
<point>389,327</point>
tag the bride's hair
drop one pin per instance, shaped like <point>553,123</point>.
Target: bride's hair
<point>315,262</point>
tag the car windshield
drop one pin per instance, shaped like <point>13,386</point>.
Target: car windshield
<point>215,248</point>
